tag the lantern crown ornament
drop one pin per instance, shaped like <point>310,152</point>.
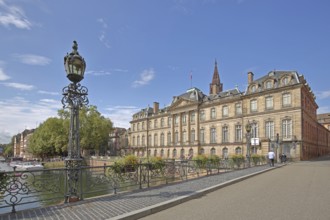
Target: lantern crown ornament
<point>74,64</point>
<point>248,127</point>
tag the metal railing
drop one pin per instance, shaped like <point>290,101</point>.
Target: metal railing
<point>21,190</point>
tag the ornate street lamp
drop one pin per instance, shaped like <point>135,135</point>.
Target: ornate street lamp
<point>248,141</point>
<point>74,97</point>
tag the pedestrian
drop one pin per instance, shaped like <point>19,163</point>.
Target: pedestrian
<point>271,157</point>
<point>283,158</point>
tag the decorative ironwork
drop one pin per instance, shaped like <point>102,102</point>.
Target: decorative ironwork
<point>74,97</point>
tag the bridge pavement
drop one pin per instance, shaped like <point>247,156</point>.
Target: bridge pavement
<point>137,204</point>
<point>299,191</point>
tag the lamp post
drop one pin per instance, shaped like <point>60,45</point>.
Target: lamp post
<point>74,97</point>
<point>248,141</point>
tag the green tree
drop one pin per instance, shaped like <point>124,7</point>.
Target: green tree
<point>94,130</point>
<point>49,139</point>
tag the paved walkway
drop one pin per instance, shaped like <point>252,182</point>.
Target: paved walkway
<point>299,191</point>
<point>137,204</point>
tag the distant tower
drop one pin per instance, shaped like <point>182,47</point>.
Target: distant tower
<point>215,86</point>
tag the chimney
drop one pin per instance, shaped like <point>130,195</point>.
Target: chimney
<point>156,107</point>
<point>250,77</point>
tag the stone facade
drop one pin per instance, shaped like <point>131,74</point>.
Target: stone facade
<point>21,144</point>
<point>280,107</point>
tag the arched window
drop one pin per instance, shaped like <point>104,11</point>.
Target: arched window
<point>225,152</point>
<point>174,153</point>
<point>162,139</point>
<point>238,150</point>
<point>213,136</point>
<point>212,151</point>
<point>202,151</point>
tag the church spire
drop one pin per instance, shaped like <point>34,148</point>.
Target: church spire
<point>215,86</point>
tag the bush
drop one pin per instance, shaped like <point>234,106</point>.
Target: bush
<point>200,161</point>
<point>256,159</point>
<point>238,159</point>
<point>157,163</point>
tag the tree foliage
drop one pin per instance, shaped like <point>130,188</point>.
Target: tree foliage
<point>51,137</point>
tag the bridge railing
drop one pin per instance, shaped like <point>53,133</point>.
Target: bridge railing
<point>21,190</point>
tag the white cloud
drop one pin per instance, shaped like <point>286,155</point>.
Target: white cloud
<point>19,86</point>
<point>32,59</point>
<point>323,94</point>
<point>48,93</point>
<point>103,37</point>
<point>121,115</point>
<point>13,15</point>
<point>145,77</point>
<point>24,115</point>
<point>98,73</point>
<point>3,75</point>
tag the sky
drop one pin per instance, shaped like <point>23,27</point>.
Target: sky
<point>146,51</point>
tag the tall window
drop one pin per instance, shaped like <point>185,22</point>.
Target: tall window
<point>225,111</point>
<point>162,152</point>
<point>174,153</point>
<point>270,129</point>
<point>213,136</point>
<point>155,140</point>
<point>192,117</point>
<point>162,124</point>
<point>133,140</point>
<point>176,119</point>
<point>225,134</point>
<point>155,153</point>
<point>142,125</point>
<point>253,105</point>
<point>225,152</point>
<point>238,133</point>
<point>155,123</point>
<point>138,140</point>
<point>143,141</point>
<point>176,137</point>
<point>213,115</point>
<point>169,121</point>
<point>184,118</point>
<point>202,136</point>
<point>192,136</point>
<point>169,138</point>
<point>286,99</point>
<point>254,130</point>
<point>238,108</point>
<point>287,128</point>
<point>162,141</point>
<point>269,102</point>
<point>202,115</point>
<point>138,126</point>
<point>184,136</point>
<point>149,140</point>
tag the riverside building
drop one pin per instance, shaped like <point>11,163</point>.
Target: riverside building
<point>280,107</point>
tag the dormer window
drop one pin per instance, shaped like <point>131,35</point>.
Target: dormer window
<point>254,88</point>
<point>269,85</point>
<point>285,81</point>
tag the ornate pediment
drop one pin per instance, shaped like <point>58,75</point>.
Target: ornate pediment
<point>181,103</point>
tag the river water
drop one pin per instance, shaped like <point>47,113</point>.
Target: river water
<point>5,167</point>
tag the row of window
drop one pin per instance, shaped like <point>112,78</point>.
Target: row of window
<point>271,83</point>
<point>269,104</point>
<point>161,153</point>
<point>225,134</point>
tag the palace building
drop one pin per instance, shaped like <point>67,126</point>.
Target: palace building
<point>280,108</point>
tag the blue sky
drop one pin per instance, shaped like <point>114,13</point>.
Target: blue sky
<point>139,52</point>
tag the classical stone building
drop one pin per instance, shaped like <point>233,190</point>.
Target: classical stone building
<point>21,144</point>
<point>118,142</point>
<point>280,107</point>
